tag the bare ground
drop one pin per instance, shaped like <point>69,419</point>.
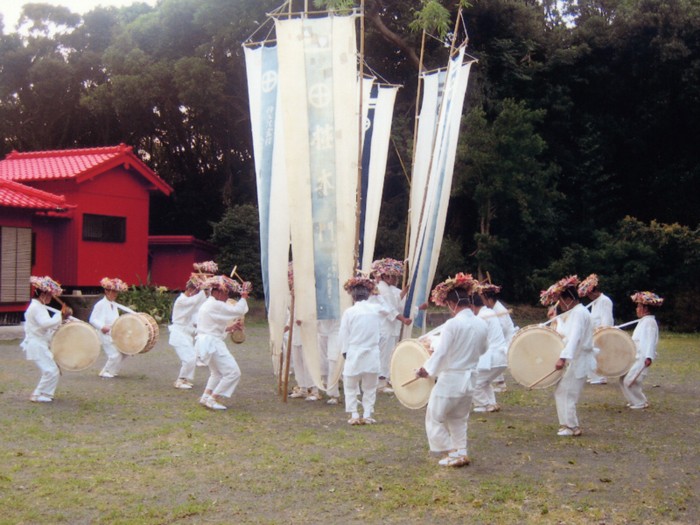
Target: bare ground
<point>136,450</point>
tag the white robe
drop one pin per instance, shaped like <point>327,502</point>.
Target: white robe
<point>464,338</point>
<point>213,318</point>
<point>39,327</point>
<point>645,337</point>
<point>182,331</point>
<point>576,327</point>
<point>104,313</point>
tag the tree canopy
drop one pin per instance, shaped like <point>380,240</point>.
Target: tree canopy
<point>581,116</point>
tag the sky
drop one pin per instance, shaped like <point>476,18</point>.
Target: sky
<point>10,9</point>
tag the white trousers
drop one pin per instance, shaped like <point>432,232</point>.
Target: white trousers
<point>49,373</point>
<point>633,392</point>
<point>446,420</point>
<point>115,359</point>
<point>224,372</point>
<point>483,392</point>
<point>301,372</point>
<point>386,348</point>
<point>353,390</point>
<point>566,396</point>
<point>188,360</point>
<point>334,391</point>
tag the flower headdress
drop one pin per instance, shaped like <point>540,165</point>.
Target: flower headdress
<point>206,267</point>
<point>360,281</point>
<point>46,284</point>
<point>115,284</point>
<point>222,282</point>
<point>196,280</point>
<point>387,266</point>
<point>488,288</point>
<point>463,281</point>
<point>587,285</point>
<point>549,296</point>
<point>647,298</point>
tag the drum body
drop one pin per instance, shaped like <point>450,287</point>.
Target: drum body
<point>75,346</point>
<point>532,354</point>
<point>135,333</point>
<point>616,351</point>
<point>408,356</point>
<point>238,336</point>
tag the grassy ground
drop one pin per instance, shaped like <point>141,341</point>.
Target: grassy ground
<point>136,450</point>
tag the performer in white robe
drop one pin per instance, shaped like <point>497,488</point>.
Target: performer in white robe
<point>577,355</point>
<point>39,327</point>
<point>182,330</point>
<point>103,315</point>
<point>463,339</point>
<point>386,273</point>
<point>601,314</point>
<point>359,340</point>
<point>216,319</point>
<point>645,337</point>
<point>493,363</point>
<point>488,293</point>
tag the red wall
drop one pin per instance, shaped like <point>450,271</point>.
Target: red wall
<point>83,263</point>
<point>172,256</point>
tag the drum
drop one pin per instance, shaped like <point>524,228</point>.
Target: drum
<point>408,356</point>
<point>238,336</point>
<point>617,351</point>
<point>532,354</point>
<point>75,346</point>
<point>135,333</point>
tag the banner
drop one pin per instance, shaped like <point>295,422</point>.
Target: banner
<point>318,78</point>
<point>268,148</point>
<point>375,149</point>
<point>436,149</point>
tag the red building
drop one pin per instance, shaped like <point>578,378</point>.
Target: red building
<point>171,258</point>
<point>85,211</point>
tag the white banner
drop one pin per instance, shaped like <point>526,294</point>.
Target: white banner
<point>268,148</point>
<point>426,239</point>
<point>318,77</point>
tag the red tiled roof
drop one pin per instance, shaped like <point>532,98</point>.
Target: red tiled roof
<point>16,195</point>
<point>79,164</point>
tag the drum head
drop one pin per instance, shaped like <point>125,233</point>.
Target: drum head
<point>75,346</point>
<point>532,354</point>
<point>131,334</point>
<point>408,356</point>
<point>617,351</point>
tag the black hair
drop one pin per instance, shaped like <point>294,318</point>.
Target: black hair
<point>359,293</point>
<point>477,300</point>
<point>571,292</point>
<point>489,294</point>
<point>459,296</point>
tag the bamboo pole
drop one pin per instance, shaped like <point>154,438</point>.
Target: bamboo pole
<point>358,194</point>
<point>285,381</point>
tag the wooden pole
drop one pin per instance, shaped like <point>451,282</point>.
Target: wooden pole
<point>285,382</point>
<point>358,194</point>
<point>542,379</point>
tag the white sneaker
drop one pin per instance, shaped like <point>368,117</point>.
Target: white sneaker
<point>298,392</point>
<point>481,409</point>
<point>106,375</point>
<point>214,404</point>
<point>332,401</point>
<point>182,384</point>
<point>41,398</point>
<point>204,399</point>
<point>369,420</point>
<point>602,381</point>
<point>639,407</point>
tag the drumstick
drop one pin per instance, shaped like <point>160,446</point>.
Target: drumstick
<point>542,379</point>
<point>411,381</point>
<point>233,271</point>
<point>55,310</point>
<point>628,323</point>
